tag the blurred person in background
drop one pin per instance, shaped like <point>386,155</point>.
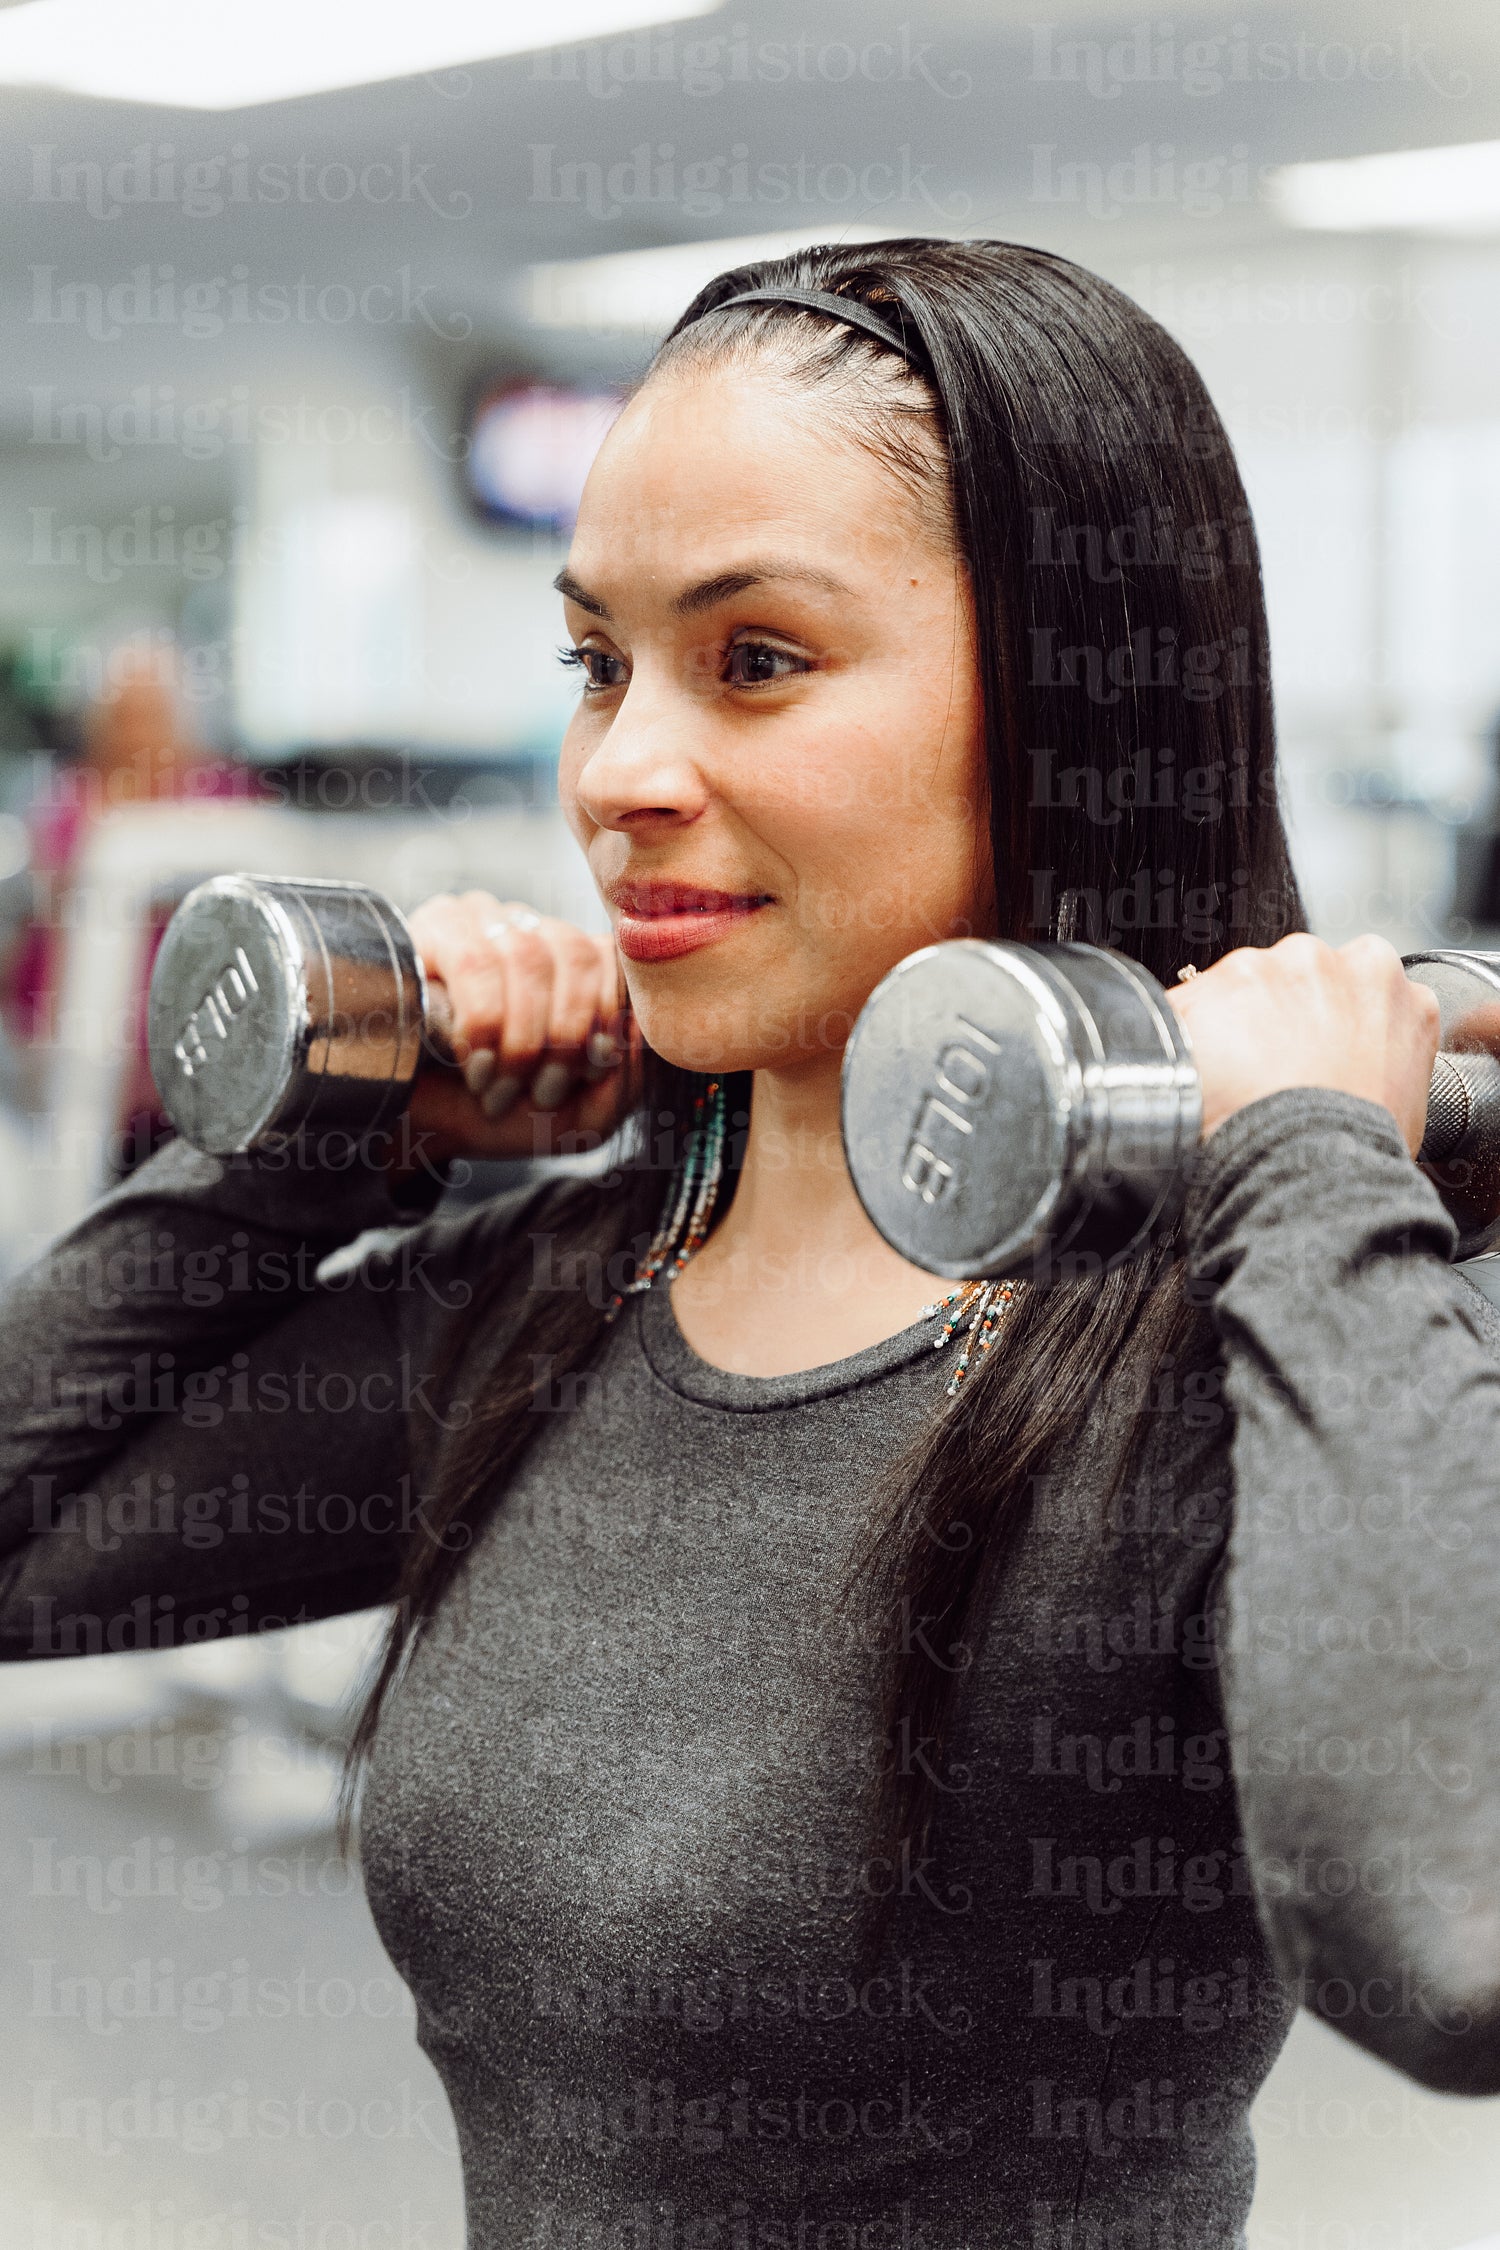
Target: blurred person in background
<point>138,745</point>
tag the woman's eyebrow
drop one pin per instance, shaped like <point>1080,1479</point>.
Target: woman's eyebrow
<point>567,585</point>
<point>709,591</point>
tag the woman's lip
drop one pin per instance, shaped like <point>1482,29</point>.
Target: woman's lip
<point>653,896</point>
<point>661,937</point>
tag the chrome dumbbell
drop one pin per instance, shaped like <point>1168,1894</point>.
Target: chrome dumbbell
<point>1024,1110</point>
<point>278,1004</point>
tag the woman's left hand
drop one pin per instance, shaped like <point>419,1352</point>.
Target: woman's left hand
<point>1302,1013</point>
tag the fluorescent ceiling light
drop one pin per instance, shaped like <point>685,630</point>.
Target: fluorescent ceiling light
<point>645,290</point>
<point>227,54</point>
<point>1414,191</point>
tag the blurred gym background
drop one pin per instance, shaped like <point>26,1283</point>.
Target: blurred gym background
<point>314,317</point>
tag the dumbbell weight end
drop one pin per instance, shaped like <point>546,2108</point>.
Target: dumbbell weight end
<point>278,1005</point>
<point>1030,1111</point>
<point>1003,1104</point>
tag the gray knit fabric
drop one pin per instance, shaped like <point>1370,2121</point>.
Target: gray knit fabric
<point>1232,1742</point>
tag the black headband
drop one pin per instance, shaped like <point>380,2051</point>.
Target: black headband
<point>847,309</point>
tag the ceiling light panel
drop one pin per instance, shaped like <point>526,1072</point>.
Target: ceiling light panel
<point>1414,191</point>
<point>205,54</point>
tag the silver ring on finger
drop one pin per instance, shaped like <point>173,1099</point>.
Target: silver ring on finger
<point>514,918</point>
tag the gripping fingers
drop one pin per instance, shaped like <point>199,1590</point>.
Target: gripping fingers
<point>605,1045</point>
<point>472,979</point>
<point>514,937</point>
<point>535,1002</point>
<point>574,1009</point>
<point>561,994</point>
<point>496,968</point>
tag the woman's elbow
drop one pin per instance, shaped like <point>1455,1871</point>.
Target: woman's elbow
<point>1429,2004</point>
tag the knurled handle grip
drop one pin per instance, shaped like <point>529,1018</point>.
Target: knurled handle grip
<point>1449,1108</point>
<point>438,1028</point>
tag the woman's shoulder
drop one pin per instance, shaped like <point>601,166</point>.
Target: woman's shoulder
<point>471,1226</point>
<point>476,1248</point>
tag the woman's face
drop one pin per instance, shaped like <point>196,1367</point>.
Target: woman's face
<point>776,765</point>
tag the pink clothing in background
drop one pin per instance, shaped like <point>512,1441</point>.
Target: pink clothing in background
<point>32,979</point>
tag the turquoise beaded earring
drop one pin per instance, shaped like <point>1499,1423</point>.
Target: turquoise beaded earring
<point>690,1199</point>
<point>689,1208</point>
<point>987,1302</point>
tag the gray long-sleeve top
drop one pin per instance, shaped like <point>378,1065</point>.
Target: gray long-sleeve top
<point>1232,1743</point>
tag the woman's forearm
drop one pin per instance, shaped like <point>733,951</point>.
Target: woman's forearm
<point>191,1426</point>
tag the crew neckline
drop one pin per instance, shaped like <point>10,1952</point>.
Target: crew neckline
<point>673,1359</point>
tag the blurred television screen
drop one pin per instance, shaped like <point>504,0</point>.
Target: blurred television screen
<point>531,446</point>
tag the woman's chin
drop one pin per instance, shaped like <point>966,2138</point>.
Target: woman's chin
<point>718,1038</point>
<point>716,1056</point>
<point>701,1042</point>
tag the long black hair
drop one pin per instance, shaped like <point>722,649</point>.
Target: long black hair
<point>1091,491</point>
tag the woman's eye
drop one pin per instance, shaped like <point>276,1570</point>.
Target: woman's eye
<point>757,663</point>
<point>600,667</point>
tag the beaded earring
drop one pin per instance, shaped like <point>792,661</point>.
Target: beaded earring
<point>689,1208</point>
<point>987,1302</point>
<point>690,1199</point>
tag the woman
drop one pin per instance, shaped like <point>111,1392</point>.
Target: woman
<point>816,1800</point>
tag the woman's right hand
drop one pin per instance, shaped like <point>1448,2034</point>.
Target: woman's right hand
<point>533,1009</point>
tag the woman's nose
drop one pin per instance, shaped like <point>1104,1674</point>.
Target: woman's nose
<point>646,766</point>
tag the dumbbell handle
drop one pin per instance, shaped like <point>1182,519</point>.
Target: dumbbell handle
<point>1451,1099</point>
<point>438,1025</point>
